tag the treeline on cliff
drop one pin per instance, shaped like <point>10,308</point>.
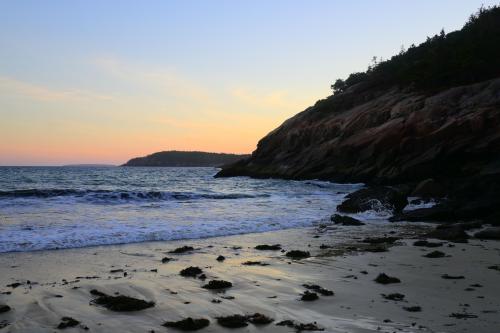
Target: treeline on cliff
<point>466,56</point>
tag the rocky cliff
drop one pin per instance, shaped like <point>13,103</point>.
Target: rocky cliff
<point>387,136</point>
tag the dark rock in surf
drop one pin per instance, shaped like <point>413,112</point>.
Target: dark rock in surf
<point>374,198</point>
<point>345,220</point>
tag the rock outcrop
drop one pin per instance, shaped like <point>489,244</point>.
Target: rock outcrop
<point>392,136</point>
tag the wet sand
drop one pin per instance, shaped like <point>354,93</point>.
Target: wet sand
<point>60,283</point>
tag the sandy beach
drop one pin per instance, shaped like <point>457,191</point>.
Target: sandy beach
<point>57,284</point>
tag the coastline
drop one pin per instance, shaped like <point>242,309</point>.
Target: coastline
<point>60,282</point>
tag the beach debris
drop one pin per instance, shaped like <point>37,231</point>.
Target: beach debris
<point>300,326</point>
<point>233,321</point>
<point>188,324</point>
<point>236,321</point>
<point>494,267</point>
<point>345,220</point>
<point>259,319</point>
<point>435,254</point>
<point>383,278</point>
<point>323,246</point>
<point>164,260</point>
<point>67,322</point>
<point>182,249</point>
<point>14,285</point>
<point>452,277</point>
<point>191,271</point>
<point>412,308</point>
<point>375,249</point>
<point>463,315</point>
<point>265,247</point>
<point>202,277</point>
<point>88,277</point>
<point>380,240</point>
<point>120,303</point>
<point>394,297</point>
<point>318,289</point>
<point>298,254</point>
<point>426,243</point>
<point>4,308</point>
<point>255,263</point>
<point>308,296</point>
<point>116,270</point>
<point>220,258</point>
<point>218,284</point>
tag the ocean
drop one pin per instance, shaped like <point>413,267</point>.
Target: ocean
<point>44,208</point>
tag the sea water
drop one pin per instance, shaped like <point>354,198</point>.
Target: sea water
<point>45,208</point>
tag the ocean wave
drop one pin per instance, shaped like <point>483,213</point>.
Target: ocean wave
<point>116,195</point>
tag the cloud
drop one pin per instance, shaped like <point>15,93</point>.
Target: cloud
<point>45,93</point>
<point>163,81</point>
<point>273,100</point>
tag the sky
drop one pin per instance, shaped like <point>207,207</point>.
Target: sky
<point>104,81</point>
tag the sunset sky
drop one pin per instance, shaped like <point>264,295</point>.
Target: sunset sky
<point>104,81</point>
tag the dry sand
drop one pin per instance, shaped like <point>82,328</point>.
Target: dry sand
<point>57,288</point>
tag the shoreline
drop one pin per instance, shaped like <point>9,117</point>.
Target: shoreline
<point>273,289</point>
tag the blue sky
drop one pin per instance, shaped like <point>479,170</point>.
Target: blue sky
<point>102,81</point>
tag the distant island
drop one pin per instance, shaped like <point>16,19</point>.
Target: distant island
<point>89,166</point>
<point>175,158</point>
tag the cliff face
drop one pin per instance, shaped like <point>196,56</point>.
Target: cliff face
<point>389,136</point>
<point>185,159</point>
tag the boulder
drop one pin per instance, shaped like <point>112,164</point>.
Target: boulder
<point>429,188</point>
<point>374,198</point>
<point>345,220</point>
<point>436,213</point>
<point>489,233</point>
<point>452,233</point>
